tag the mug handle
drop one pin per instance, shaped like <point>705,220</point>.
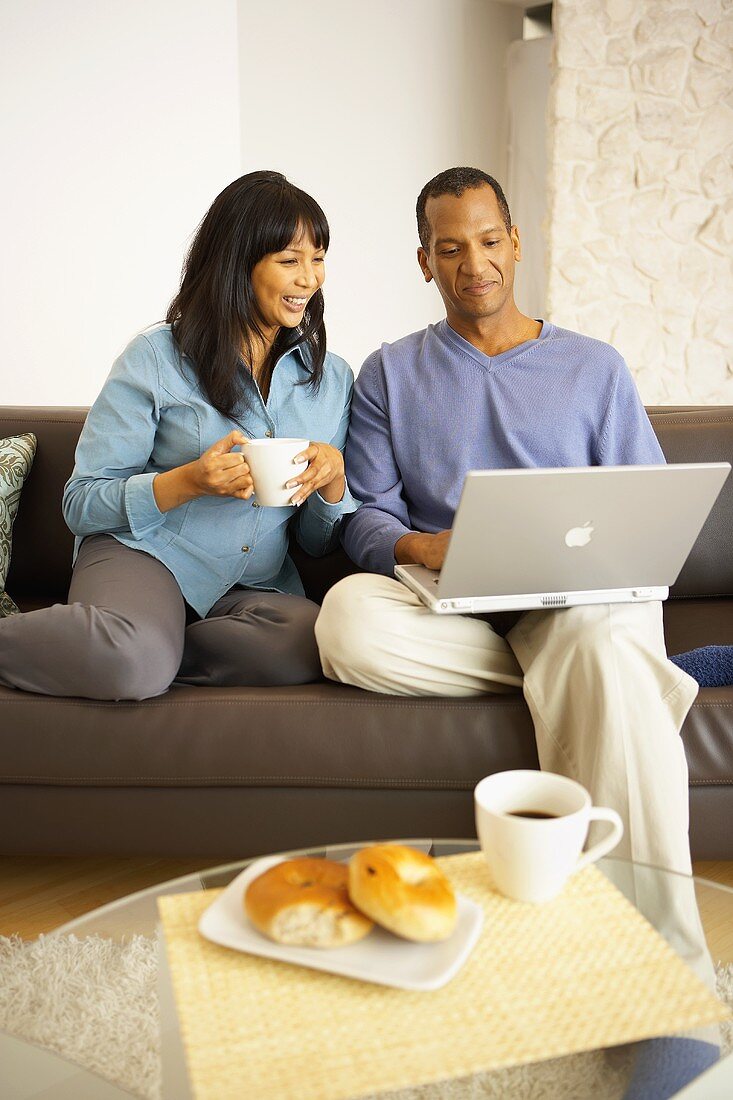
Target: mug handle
<point>603,847</point>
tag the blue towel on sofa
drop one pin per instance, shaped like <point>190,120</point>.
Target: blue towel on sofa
<point>711,665</point>
<point>664,1066</point>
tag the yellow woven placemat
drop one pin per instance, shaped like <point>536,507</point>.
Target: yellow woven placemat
<point>581,972</point>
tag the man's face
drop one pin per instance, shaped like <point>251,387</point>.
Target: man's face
<point>471,254</point>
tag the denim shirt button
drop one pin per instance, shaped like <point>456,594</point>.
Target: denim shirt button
<point>245,549</point>
<point>255,504</point>
<point>269,433</point>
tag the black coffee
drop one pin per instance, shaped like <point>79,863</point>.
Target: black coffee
<point>531,813</point>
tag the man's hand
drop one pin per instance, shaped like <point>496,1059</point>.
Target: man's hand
<point>219,472</point>
<point>422,549</point>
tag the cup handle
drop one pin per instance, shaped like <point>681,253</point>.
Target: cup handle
<point>603,847</point>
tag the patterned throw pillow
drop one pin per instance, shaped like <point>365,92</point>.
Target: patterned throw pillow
<point>16,458</point>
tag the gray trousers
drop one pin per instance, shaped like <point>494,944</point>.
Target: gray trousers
<point>127,633</point>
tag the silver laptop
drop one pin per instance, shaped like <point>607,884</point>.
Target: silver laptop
<point>558,537</point>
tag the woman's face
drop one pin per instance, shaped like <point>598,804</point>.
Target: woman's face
<point>284,282</point>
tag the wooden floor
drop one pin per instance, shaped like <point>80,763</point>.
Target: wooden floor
<point>716,917</point>
<point>38,893</point>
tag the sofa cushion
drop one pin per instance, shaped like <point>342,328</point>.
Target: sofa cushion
<point>16,458</point>
<point>690,624</point>
<point>319,736</point>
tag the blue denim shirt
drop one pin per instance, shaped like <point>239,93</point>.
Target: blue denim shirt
<point>152,416</point>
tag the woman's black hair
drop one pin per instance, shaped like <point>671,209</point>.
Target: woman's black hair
<point>214,316</point>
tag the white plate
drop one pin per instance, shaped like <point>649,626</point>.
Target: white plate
<point>380,957</point>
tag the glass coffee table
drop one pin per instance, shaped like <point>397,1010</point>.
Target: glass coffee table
<point>28,1071</point>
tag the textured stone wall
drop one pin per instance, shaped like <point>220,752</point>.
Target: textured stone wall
<point>640,203</point>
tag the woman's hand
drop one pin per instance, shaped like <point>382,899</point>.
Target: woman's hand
<point>222,472</point>
<point>219,472</point>
<point>325,473</point>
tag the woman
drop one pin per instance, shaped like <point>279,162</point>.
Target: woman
<point>178,573</point>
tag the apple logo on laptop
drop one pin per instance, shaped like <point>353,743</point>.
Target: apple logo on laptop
<point>579,536</point>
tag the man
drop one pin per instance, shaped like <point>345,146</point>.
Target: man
<point>489,387</point>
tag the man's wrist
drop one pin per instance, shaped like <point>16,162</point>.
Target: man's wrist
<point>408,549</point>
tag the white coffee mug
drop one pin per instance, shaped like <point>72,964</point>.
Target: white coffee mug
<point>531,857</point>
<point>271,465</point>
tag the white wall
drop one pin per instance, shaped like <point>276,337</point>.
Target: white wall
<point>119,126</point>
<point>528,87</point>
<point>360,104</point>
<point>121,122</point>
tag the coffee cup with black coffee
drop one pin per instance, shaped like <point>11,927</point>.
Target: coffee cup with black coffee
<point>532,827</point>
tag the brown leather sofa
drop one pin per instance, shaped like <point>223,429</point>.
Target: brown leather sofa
<point>233,772</point>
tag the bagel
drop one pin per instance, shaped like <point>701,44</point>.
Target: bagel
<point>403,890</point>
<point>305,902</point>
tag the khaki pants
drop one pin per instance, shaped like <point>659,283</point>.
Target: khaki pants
<point>606,702</point>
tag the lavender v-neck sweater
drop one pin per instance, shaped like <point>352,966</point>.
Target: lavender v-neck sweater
<point>431,406</point>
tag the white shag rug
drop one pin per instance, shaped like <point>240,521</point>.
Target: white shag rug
<point>96,1003</point>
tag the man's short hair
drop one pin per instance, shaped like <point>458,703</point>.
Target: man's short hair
<point>454,181</point>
